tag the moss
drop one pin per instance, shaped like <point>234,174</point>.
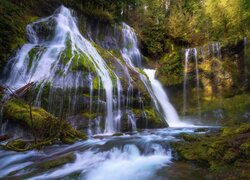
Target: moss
<point>189,138</point>
<point>60,72</point>
<point>148,118</point>
<point>245,148</point>
<point>96,81</point>
<point>59,161</point>
<point>69,140</point>
<point>88,115</point>
<point>44,126</point>
<point>227,148</point>
<point>16,144</point>
<point>21,146</point>
<point>116,53</point>
<point>34,55</point>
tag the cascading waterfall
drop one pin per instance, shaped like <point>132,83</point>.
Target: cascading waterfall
<point>170,113</point>
<point>130,46</point>
<point>47,62</point>
<point>197,81</point>
<point>212,50</point>
<point>216,50</point>
<point>131,53</point>
<point>191,53</point>
<point>52,59</point>
<point>185,82</point>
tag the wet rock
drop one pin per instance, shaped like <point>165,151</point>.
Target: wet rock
<point>229,148</point>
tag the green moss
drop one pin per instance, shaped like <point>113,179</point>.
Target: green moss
<point>245,148</point>
<point>217,150</point>
<point>60,72</point>
<point>59,161</point>
<point>67,54</point>
<point>17,144</point>
<point>69,140</point>
<point>34,55</point>
<point>21,146</point>
<point>148,118</point>
<point>43,125</point>
<point>96,83</point>
<point>189,138</point>
<point>88,115</point>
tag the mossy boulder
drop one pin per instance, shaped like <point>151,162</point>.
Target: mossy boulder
<point>43,126</point>
<point>228,148</point>
<point>58,161</point>
<point>148,118</point>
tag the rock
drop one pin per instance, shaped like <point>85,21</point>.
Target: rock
<point>229,149</point>
<point>44,127</point>
<point>4,138</point>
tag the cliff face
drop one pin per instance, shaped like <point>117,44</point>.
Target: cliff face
<point>90,75</point>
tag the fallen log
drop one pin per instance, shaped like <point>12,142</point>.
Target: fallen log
<point>21,91</point>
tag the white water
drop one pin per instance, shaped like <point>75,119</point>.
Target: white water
<point>118,164</point>
<point>169,111</point>
<point>130,46</point>
<point>191,54</point>
<point>185,82</point>
<point>140,156</point>
<point>45,66</point>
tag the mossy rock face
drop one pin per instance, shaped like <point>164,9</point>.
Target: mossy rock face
<point>43,126</point>
<point>148,118</point>
<point>229,148</point>
<point>189,138</point>
<point>21,146</point>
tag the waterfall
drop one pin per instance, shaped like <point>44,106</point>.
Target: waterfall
<point>191,53</point>
<point>130,46</point>
<point>69,70</point>
<point>212,50</point>
<point>170,114</point>
<point>185,82</point>
<point>51,51</point>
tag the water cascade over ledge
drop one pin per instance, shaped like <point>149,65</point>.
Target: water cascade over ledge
<point>73,79</point>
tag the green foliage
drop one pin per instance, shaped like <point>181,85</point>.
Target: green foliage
<point>227,149</point>
<point>153,40</point>
<point>171,69</point>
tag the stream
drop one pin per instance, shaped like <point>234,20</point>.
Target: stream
<point>143,155</point>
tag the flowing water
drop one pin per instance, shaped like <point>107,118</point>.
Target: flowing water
<point>51,59</point>
<point>191,54</point>
<point>145,155</point>
<point>170,114</point>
